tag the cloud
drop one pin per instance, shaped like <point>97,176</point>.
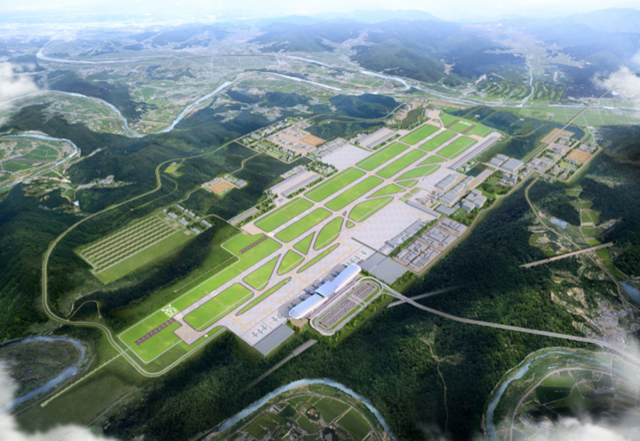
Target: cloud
<point>624,82</point>
<point>10,431</point>
<point>13,85</point>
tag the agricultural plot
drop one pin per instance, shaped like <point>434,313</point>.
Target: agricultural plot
<point>218,307</point>
<point>418,172</point>
<point>283,214</point>
<point>303,225</point>
<point>336,183</point>
<point>263,296</point>
<point>389,189</point>
<point>339,202</point>
<point>376,160</point>
<point>331,409</point>
<point>365,209</point>
<point>130,248</point>
<point>42,153</point>
<point>437,141</point>
<point>456,147</point>
<point>289,262</point>
<point>328,234</point>
<point>259,279</point>
<point>354,423</point>
<point>419,134</point>
<point>304,244</point>
<point>400,164</point>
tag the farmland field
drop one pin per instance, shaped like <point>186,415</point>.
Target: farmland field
<point>330,408</point>
<point>336,183</point>
<point>376,160</point>
<point>419,134</point>
<point>437,141</point>
<point>355,424</point>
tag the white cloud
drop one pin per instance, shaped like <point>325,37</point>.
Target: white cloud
<point>9,430</point>
<point>13,85</point>
<point>623,82</point>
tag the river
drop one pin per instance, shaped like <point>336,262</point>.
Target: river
<point>491,429</point>
<point>632,291</point>
<point>68,372</point>
<point>230,422</point>
<point>46,138</point>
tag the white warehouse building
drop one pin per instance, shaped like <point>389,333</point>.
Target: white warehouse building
<point>325,292</point>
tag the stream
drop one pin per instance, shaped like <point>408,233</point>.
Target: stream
<point>68,372</point>
<point>230,422</point>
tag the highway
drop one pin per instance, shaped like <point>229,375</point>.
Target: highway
<point>564,256</point>
<point>602,344</point>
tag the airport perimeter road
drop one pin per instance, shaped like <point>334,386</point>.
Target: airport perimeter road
<point>606,345</point>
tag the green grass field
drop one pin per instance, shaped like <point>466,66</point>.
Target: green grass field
<point>156,345</point>
<point>144,257</point>
<point>259,279</point>
<point>355,424</point>
<point>218,307</point>
<point>431,160</point>
<point>456,147</point>
<point>448,119</point>
<point>264,296</point>
<point>480,130</point>
<point>437,141</point>
<point>245,261</point>
<point>171,169</point>
<point>418,172</point>
<point>461,126</point>
<point>389,189</point>
<point>303,225</point>
<point>289,262</point>
<point>330,408</point>
<point>384,155</point>
<point>304,244</point>
<point>318,258</point>
<point>328,234</point>
<point>400,164</point>
<point>339,202</point>
<point>408,184</point>
<point>419,134</point>
<point>336,183</point>
<point>365,209</point>
<point>283,214</point>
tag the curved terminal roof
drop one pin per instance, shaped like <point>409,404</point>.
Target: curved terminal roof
<point>342,280</point>
<point>307,307</point>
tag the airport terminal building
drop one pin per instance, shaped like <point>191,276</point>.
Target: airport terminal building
<point>325,292</point>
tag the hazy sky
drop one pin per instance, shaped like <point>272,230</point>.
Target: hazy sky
<point>224,9</point>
